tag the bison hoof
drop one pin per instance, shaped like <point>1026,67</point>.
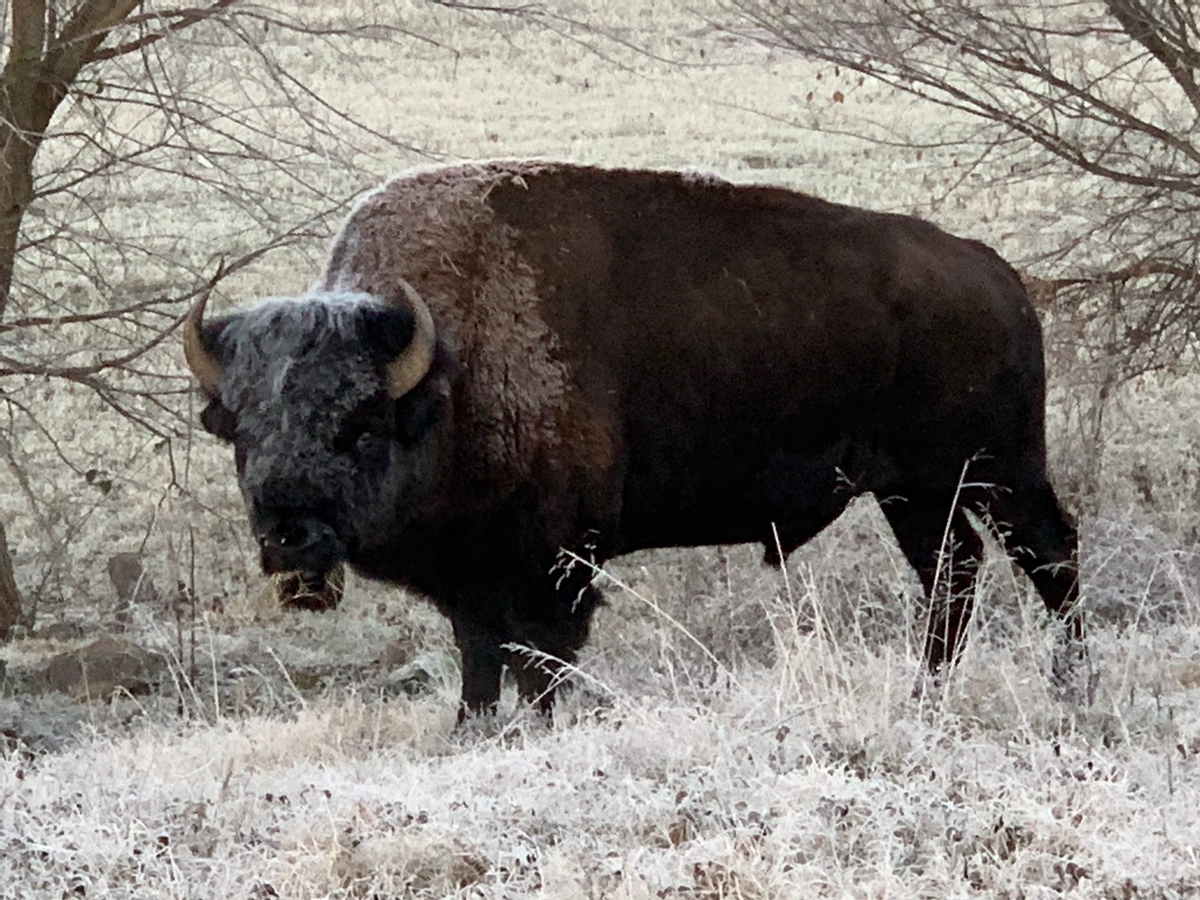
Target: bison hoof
<point>1072,678</point>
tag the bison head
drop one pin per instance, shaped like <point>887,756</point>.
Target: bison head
<point>330,403</point>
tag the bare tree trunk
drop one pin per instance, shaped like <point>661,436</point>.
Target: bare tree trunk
<point>24,114</point>
<point>18,140</point>
<point>41,67</point>
<point>10,599</point>
<point>16,189</point>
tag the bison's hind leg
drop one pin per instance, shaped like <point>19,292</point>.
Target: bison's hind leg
<point>1044,542</point>
<point>939,542</point>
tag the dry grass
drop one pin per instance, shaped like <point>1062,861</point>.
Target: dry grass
<point>736,733</point>
<point>816,775</point>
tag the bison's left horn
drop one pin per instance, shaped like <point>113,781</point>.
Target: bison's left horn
<point>203,363</point>
<point>406,370</point>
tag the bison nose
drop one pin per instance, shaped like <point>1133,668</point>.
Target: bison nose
<point>298,544</point>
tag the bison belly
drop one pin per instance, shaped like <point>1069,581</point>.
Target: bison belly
<point>739,488</point>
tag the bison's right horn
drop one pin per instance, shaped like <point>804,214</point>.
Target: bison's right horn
<point>203,363</point>
<point>406,370</point>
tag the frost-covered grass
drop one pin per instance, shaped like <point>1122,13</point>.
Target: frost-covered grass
<point>736,733</point>
<point>815,775</point>
<point>787,757</point>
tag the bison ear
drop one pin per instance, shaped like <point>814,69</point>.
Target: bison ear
<point>418,411</point>
<point>219,421</point>
<point>385,331</point>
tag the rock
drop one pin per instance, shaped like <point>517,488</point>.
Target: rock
<point>131,582</point>
<point>1188,674</point>
<point>130,579</point>
<point>102,668</point>
<point>394,654</point>
<point>422,674</point>
<point>61,631</point>
<point>39,724</point>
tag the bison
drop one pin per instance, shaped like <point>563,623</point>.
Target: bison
<point>510,370</point>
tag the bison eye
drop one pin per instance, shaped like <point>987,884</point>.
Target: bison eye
<point>366,443</point>
<point>361,431</point>
<point>348,438</point>
<point>416,413</point>
<point>371,449</point>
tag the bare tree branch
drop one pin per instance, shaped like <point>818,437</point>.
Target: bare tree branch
<point>1169,36</point>
<point>1106,92</point>
<point>139,141</point>
<point>169,22</point>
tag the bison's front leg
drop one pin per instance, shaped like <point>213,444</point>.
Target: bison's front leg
<point>550,630</point>
<point>548,649</point>
<point>482,663</point>
<point>535,625</point>
<point>538,673</point>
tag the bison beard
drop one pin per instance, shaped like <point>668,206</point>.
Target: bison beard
<point>510,367</point>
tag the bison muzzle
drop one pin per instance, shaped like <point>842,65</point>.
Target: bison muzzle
<point>510,368</point>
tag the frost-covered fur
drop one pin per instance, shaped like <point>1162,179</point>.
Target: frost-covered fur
<point>427,226</point>
<point>302,370</point>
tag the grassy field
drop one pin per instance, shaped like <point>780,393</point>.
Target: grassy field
<point>735,731</point>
